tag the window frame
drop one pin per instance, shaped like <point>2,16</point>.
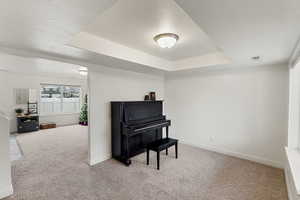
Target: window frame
<point>61,100</point>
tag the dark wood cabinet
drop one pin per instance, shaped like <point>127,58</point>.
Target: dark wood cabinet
<point>28,123</point>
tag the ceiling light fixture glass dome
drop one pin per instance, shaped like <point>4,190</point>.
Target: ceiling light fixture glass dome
<point>166,40</point>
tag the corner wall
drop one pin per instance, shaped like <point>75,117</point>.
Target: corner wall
<point>292,149</point>
<point>106,85</point>
<point>240,112</point>
<point>5,171</point>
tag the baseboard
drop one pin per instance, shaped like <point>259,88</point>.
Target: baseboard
<point>214,149</point>
<point>71,124</point>
<point>238,155</point>
<point>289,184</point>
<point>99,160</point>
<point>5,192</point>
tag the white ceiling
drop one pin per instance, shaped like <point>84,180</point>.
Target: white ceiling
<point>43,28</point>
<point>134,23</point>
<point>239,29</point>
<point>127,28</point>
<point>38,66</point>
<point>46,25</point>
<point>243,29</point>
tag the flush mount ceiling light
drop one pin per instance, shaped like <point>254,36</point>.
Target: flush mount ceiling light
<point>166,40</point>
<point>83,71</point>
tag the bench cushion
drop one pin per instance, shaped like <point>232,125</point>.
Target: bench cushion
<point>162,144</point>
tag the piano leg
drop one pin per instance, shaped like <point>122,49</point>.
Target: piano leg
<point>127,161</point>
<point>167,132</point>
<point>176,150</point>
<point>167,136</point>
<point>158,158</point>
<point>148,152</point>
<point>124,160</point>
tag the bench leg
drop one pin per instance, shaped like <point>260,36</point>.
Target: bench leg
<point>166,151</point>
<point>176,150</point>
<point>158,158</point>
<point>148,152</point>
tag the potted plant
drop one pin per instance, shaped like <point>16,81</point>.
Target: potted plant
<point>83,118</point>
<point>19,111</point>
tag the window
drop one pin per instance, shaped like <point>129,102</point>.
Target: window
<point>57,99</point>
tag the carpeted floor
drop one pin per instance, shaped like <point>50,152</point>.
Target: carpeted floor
<point>14,148</point>
<point>55,167</point>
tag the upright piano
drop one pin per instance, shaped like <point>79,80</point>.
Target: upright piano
<point>134,125</point>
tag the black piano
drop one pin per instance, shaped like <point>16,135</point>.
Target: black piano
<point>134,125</point>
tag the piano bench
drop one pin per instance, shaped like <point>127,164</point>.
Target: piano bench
<point>160,145</point>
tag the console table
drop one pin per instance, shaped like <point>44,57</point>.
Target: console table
<point>27,123</point>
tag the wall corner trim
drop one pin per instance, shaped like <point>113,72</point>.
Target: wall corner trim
<point>295,56</point>
<point>291,190</point>
<point>93,162</point>
<point>5,192</point>
<point>288,184</point>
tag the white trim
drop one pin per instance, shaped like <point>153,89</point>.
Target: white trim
<point>217,150</point>
<point>292,170</point>
<point>294,58</point>
<point>289,185</point>
<point>238,155</point>
<point>97,161</point>
<point>5,192</point>
<point>294,106</point>
<point>90,159</point>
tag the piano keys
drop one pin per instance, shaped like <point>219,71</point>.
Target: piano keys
<point>134,125</point>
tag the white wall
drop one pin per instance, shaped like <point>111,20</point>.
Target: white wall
<point>294,107</point>
<point>5,172</point>
<point>242,112</point>
<point>292,149</point>
<point>11,80</point>
<point>107,85</point>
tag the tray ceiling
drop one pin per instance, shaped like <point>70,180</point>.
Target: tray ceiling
<point>132,24</point>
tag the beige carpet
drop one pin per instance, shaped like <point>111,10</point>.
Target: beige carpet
<point>55,167</point>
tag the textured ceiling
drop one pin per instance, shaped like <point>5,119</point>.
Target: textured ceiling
<point>134,23</point>
<point>38,66</point>
<point>241,29</point>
